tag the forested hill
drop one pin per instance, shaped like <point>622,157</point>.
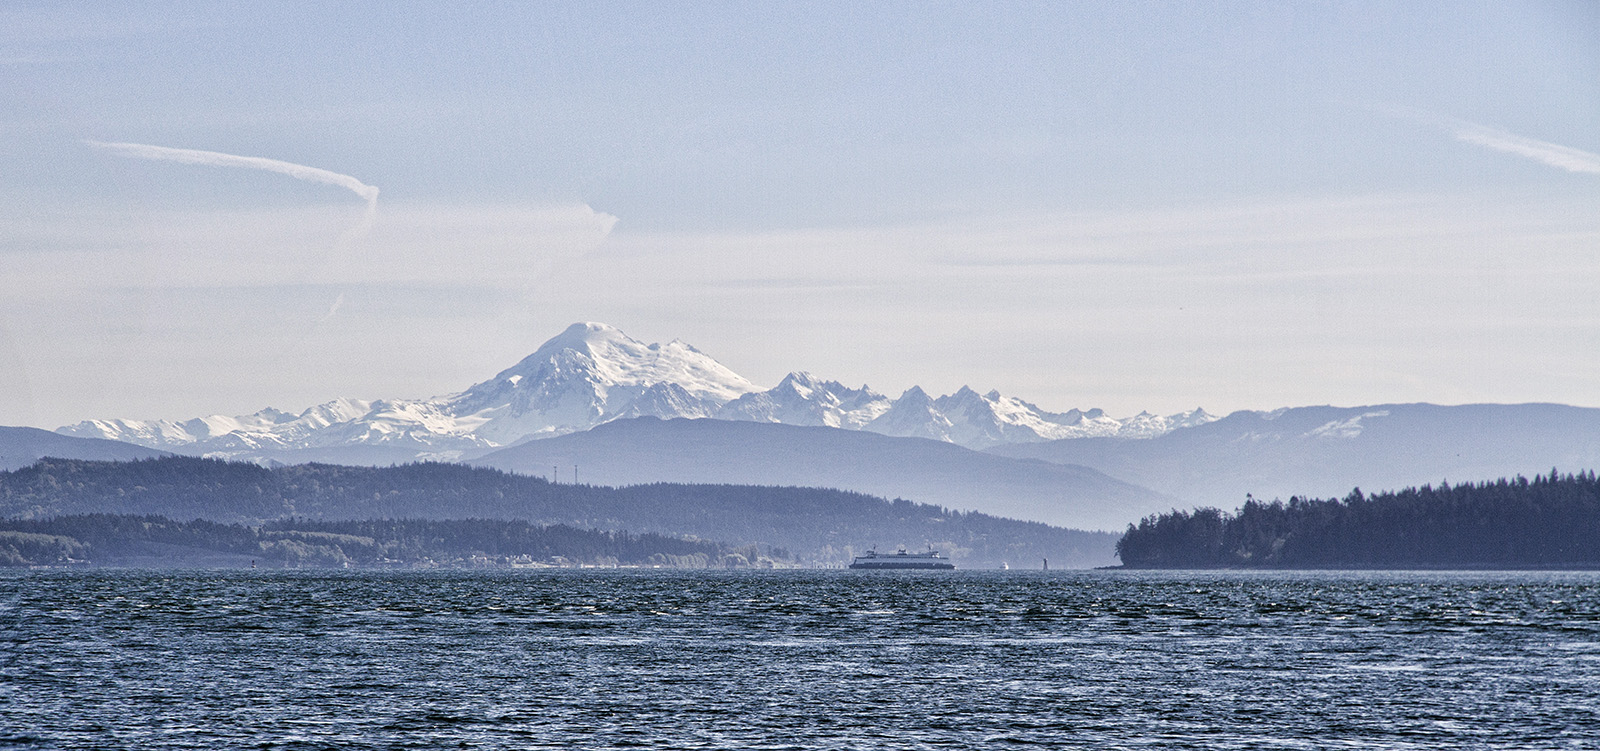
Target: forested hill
<point>125,540</point>
<point>815,525</point>
<point>1551,521</point>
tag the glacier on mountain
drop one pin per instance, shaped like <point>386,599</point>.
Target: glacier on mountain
<point>593,373</point>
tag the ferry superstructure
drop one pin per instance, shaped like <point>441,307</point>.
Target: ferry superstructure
<point>902,560</point>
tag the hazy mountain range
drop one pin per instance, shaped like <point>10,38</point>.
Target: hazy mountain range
<point>592,374</point>
<point>20,447</point>
<point>1325,452</point>
<point>647,449</point>
<point>628,412</point>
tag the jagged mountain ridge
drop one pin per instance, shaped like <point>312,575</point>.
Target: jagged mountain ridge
<point>1324,452</point>
<point>591,374</point>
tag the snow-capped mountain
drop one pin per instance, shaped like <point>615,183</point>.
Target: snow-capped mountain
<point>965,417</point>
<point>801,399</point>
<point>592,374</point>
<point>913,415</point>
<point>269,428</point>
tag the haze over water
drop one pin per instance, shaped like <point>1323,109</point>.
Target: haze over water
<point>801,659</point>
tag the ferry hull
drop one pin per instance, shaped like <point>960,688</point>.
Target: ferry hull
<point>902,565</point>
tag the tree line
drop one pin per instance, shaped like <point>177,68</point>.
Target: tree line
<point>1550,521</point>
<point>121,538</point>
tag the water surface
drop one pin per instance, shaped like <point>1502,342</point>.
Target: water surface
<point>824,659</point>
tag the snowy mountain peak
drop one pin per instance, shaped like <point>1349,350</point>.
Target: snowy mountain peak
<point>915,395</point>
<point>913,415</point>
<point>607,357</point>
<point>592,373</point>
<point>584,335</point>
<point>803,399</point>
<point>800,382</point>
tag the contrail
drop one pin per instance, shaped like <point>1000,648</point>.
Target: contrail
<point>338,303</point>
<point>297,171</point>
<point>369,193</point>
<point>219,159</point>
<point>1555,155</point>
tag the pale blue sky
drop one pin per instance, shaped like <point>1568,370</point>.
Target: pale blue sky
<point>1132,206</point>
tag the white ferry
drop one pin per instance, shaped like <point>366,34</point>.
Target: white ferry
<point>902,560</point>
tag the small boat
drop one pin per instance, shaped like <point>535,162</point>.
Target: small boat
<point>902,560</point>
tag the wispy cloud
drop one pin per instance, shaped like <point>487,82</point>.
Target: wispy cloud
<point>1555,155</point>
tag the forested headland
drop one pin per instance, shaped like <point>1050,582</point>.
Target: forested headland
<point>153,540</point>
<point>814,526</point>
<point>1550,521</point>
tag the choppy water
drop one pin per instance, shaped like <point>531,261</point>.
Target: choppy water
<point>836,659</point>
